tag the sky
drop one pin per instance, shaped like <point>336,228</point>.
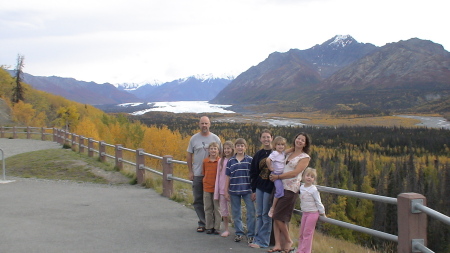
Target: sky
<point>148,41</point>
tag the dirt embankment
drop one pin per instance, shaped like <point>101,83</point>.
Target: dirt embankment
<point>5,114</point>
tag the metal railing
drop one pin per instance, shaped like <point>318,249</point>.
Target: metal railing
<point>411,208</point>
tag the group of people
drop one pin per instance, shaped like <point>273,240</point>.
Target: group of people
<point>269,183</point>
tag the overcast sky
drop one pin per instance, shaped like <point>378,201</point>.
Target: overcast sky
<point>125,41</point>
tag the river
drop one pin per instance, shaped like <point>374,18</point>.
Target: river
<point>205,107</point>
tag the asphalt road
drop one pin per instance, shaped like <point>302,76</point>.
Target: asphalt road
<point>62,216</point>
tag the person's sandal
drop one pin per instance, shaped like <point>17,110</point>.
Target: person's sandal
<point>201,229</point>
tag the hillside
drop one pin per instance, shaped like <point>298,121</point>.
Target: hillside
<point>286,76</point>
<point>411,75</point>
<point>5,114</point>
<point>79,91</point>
<point>184,89</point>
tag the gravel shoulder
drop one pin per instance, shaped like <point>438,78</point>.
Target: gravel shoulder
<point>12,147</point>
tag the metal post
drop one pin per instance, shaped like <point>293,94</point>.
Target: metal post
<point>4,181</point>
<point>3,163</point>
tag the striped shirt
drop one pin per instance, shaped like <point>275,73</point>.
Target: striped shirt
<point>239,173</point>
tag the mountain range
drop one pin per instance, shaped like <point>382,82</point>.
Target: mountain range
<point>193,88</point>
<point>344,75</point>
<point>340,75</point>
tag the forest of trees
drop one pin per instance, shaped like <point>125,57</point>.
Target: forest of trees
<point>377,160</point>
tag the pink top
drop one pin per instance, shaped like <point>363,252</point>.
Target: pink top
<point>220,178</point>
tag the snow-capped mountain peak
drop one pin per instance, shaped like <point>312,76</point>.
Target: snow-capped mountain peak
<point>205,77</point>
<point>341,41</point>
<point>134,86</point>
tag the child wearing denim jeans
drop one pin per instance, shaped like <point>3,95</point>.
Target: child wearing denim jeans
<point>238,188</point>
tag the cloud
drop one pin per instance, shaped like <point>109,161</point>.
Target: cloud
<point>134,41</point>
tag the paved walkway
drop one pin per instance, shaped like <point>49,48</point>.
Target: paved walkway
<point>61,216</point>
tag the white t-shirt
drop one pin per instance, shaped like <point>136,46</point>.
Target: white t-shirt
<point>198,145</point>
<point>277,159</point>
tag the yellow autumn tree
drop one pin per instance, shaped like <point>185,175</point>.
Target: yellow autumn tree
<point>87,128</point>
<point>23,113</point>
<point>67,117</point>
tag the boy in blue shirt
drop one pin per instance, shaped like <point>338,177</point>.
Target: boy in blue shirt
<point>238,188</point>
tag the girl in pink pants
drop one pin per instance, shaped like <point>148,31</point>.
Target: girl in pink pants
<point>312,207</point>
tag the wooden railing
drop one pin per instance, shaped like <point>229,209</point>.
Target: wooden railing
<point>411,207</point>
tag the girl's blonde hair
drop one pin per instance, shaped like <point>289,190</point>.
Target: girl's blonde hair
<point>276,140</point>
<point>222,161</point>
<point>310,171</point>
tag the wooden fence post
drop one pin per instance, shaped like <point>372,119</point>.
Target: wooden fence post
<point>102,151</point>
<point>14,133</point>
<point>74,140</point>
<point>140,163</point>
<point>60,137</point>
<point>28,133</point>
<point>167,172</point>
<point>90,147</point>
<point>54,135</point>
<point>119,156</point>
<point>66,136</point>
<point>42,134</point>
<point>411,225</point>
<point>81,144</point>
<point>2,132</point>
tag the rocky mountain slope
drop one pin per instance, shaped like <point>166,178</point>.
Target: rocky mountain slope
<point>284,76</point>
<point>342,74</point>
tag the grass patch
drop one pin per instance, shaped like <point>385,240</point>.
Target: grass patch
<point>56,164</point>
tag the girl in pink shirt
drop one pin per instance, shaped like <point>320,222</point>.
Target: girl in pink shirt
<point>219,191</point>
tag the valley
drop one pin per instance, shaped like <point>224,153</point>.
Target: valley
<point>222,114</point>
<point>326,120</point>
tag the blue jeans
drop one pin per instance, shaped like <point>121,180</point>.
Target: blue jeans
<point>237,215</point>
<point>263,221</point>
